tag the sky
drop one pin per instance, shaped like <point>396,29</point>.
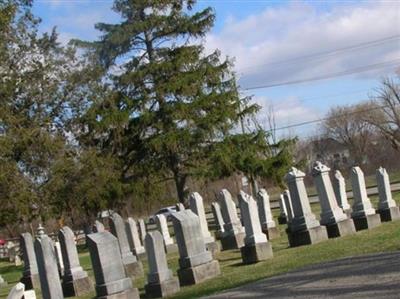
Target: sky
<point>276,44</point>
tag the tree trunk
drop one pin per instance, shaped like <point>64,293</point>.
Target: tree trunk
<point>180,184</point>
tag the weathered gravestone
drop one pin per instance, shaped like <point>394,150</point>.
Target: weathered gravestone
<point>133,267</point>
<point>282,218</point>
<point>332,216</point>
<point>134,238</point>
<point>98,227</point>
<point>363,214</point>
<point>268,224</point>
<point>162,226</point>
<point>75,281</point>
<point>289,207</point>
<point>142,230</point>
<point>218,220</point>
<point>30,275</point>
<point>160,280</point>
<point>339,186</point>
<point>387,208</point>
<point>196,264</point>
<point>256,246</point>
<point>304,228</point>
<point>108,268</point>
<point>59,258</point>
<point>50,283</point>
<point>3,283</point>
<point>233,237</point>
<point>197,207</point>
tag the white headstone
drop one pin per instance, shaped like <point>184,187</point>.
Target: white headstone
<point>282,207</point>
<point>133,236</point>
<point>60,262</point>
<point>288,203</point>
<point>362,205</point>
<point>162,226</point>
<point>232,224</point>
<point>17,292</point>
<point>339,186</point>
<point>385,194</point>
<point>142,230</point>
<point>264,210</point>
<point>219,222</point>
<point>197,207</point>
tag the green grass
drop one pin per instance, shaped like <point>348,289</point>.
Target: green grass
<point>381,239</point>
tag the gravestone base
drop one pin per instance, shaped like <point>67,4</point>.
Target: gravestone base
<point>341,228</point>
<point>77,287</point>
<point>31,282</point>
<point>272,233</point>
<point>213,247</point>
<point>127,294</point>
<point>232,241</point>
<point>367,222</point>
<point>171,248</point>
<point>391,214</point>
<point>282,220</point>
<point>200,273</point>
<point>305,237</point>
<point>257,252</point>
<point>30,294</point>
<point>163,289</point>
<point>134,269</point>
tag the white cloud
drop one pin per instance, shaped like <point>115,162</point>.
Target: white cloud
<point>299,29</point>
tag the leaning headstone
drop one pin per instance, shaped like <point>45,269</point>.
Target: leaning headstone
<point>75,281</point>
<point>268,224</point>
<point>304,228</point>
<point>387,208</point>
<point>282,218</point>
<point>332,216</point>
<point>98,227</point>
<point>363,214</point>
<point>339,187</point>
<point>160,280</point>
<point>179,207</point>
<point>162,226</point>
<point>50,283</point>
<point>134,238</point>
<point>17,291</point>
<point>233,237</point>
<point>59,258</point>
<point>133,267</point>
<point>197,207</point>
<point>3,283</point>
<point>142,230</point>
<point>289,207</point>
<point>196,264</point>
<point>108,268</point>
<point>256,246</point>
<point>219,222</point>
<point>30,275</point>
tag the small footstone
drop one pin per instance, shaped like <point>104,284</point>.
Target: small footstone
<point>391,214</point>
<point>341,228</point>
<point>367,221</point>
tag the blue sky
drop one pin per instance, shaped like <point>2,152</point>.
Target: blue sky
<point>266,37</point>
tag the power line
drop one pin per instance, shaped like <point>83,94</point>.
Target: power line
<point>356,70</point>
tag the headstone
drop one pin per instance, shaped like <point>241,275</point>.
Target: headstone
<point>197,207</point>
<point>339,186</point>
<point>50,283</point>
<point>75,281</point>
<point>108,268</point>
<point>282,218</point>
<point>256,246</point>
<point>18,261</point>
<point>30,275</point>
<point>179,207</point>
<point>304,228</point>
<point>3,283</point>
<point>363,214</point>
<point>98,227</point>
<point>162,226</point>
<point>233,237</point>
<point>30,294</point>
<point>289,207</point>
<point>134,238</point>
<point>268,224</point>
<point>219,222</point>
<point>133,267</point>
<point>142,230</point>
<point>59,258</point>
<point>387,208</point>
<point>332,216</point>
<point>160,280</point>
<point>12,251</point>
<point>17,291</point>
<point>196,264</point>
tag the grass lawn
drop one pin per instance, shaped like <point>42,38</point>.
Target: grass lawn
<point>234,273</point>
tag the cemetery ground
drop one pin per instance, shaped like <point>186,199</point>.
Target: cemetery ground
<point>385,238</point>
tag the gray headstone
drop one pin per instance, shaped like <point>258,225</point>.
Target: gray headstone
<point>385,194</point>
<point>282,206</point>
<point>339,186</point>
<point>288,203</point>
<point>17,292</point>
<point>232,224</point>
<point>219,221</point>
<point>162,226</point>
<point>362,205</point>
<point>133,236</point>
<point>107,266</point>
<point>330,210</point>
<point>264,209</point>
<point>50,283</point>
<point>142,230</point>
<point>197,207</point>
<point>30,276</point>
<point>60,263</point>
